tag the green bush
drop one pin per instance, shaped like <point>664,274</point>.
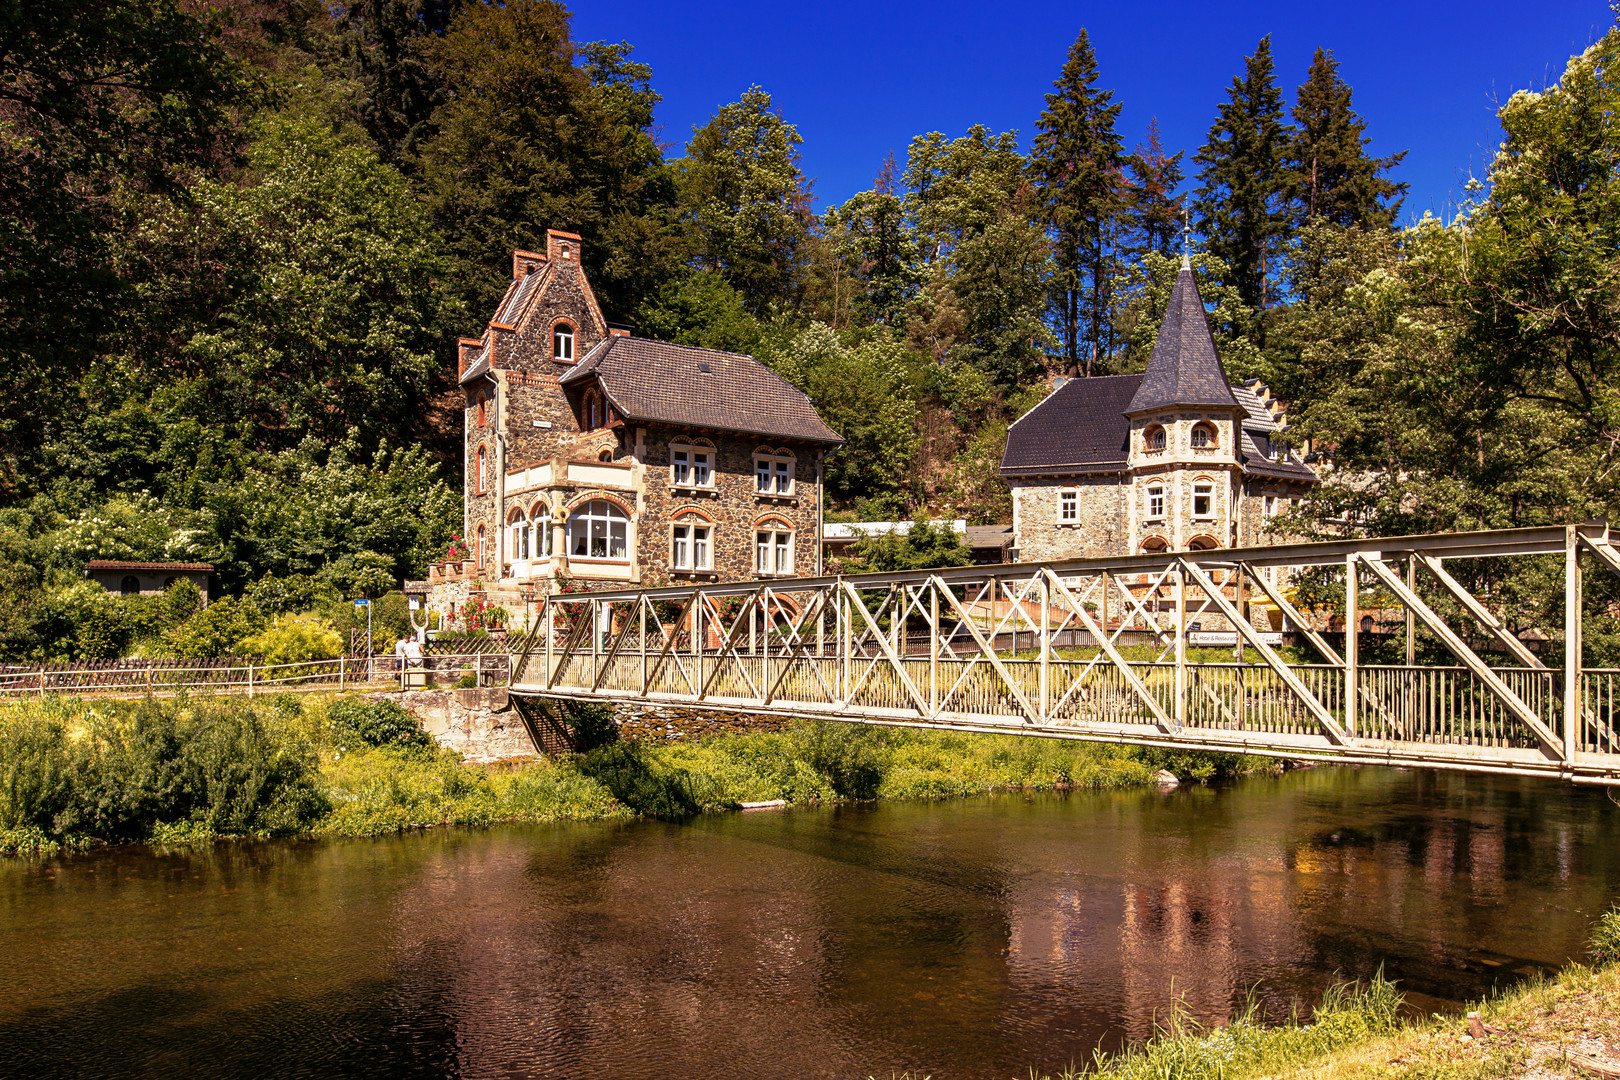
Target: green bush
<point>216,629</point>
<point>638,779</point>
<point>154,770</point>
<point>294,639</point>
<point>353,722</point>
<point>466,682</point>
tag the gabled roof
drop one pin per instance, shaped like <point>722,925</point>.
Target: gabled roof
<point>1259,417</point>
<point>661,383</point>
<point>518,294</point>
<point>1080,427</point>
<point>479,367</point>
<point>1184,368</point>
<point>1257,462</point>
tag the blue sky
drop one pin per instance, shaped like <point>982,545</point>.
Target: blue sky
<point>860,79</point>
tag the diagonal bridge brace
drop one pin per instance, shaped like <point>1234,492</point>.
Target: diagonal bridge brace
<point>1330,726</point>
<point>986,650</point>
<point>1551,745</point>
<point>1166,724</point>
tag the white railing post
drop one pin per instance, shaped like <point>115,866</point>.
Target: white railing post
<point>1352,645</point>
<point>1574,713</point>
<point>1181,647</point>
<point>250,678</point>
<point>343,672</point>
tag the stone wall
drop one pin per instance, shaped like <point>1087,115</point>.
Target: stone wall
<point>1102,526</point>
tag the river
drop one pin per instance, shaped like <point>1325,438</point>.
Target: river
<point>966,938</point>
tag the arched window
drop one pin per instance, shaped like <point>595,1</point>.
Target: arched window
<point>691,464</point>
<point>691,543</point>
<point>773,471</point>
<point>598,530</point>
<point>1154,438</point>
<point>773,548</point>
<point>130,586</point>
<point>518,551</point>
<point>482,464</point>
<point>540,517</point>
<point>562,343</point>
<point>595,411</point>
<point>481,420</point>
<point>1155,502</point>
<point>1155,545</point>
<point>483,545</point>
<point>605,455</point>
<point>1203,543</point>
<point>1204,437</point>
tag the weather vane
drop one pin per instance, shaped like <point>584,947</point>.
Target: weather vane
<point>1186,233</point>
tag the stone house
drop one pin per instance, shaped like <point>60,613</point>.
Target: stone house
<point>595,455</point>
<point>147,578</point>
<point>1174,459</point>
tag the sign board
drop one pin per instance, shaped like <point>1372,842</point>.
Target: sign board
<point>416,603</point>
<point>362,603</point>
<point>1228,637</point>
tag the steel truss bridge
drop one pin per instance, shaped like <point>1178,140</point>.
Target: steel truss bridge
<point>1036,649</point>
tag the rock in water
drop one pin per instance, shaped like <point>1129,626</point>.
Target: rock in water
<point>1166,778</point>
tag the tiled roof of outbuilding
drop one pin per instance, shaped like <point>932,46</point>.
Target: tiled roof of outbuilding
<point>1080,427</point>
<point>1184,368</point>
<point>1258,463</point>
<point>116,564</point>
<point>658,382</point>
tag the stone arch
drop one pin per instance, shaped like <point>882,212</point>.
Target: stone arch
<point>1203,542</point>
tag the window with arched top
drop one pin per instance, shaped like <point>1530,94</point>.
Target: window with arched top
<point>605,455</point>
<point>773,548</point>
<point>518,546</point>
<point>691,542</point>
<point>130,586</point>
<point>1204,436</point>
<point>481,466</point>
<point>483,545</point>
<point>1203,543</point>
<point>481,414</point>
<point>599,530</point>
<point>773,471</point>
<point>1154,437</point>
<point>691,463</point>
<point>1155,545</point>
<point>594,411</point>
<point>540,523</point>
<point>562,343</point>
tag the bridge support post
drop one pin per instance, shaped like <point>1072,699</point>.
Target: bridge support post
<point>1574,712</point>
<point>933,647</point>
<point>1181,648</point>
<point>1352,644</point>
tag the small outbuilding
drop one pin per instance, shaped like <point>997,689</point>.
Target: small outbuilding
<point>146,578</point>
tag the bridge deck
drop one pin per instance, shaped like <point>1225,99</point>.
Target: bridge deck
<point>838,648</point>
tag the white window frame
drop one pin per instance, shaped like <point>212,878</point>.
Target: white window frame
<point>774,473</point>
<point>1155,502</point>
<point>1069,507</point>
<point>1203,489</point>
<point>1155,433</point>
<point>691,465</point>
<point>1209,433</point>
<point>562,343</point>
<point>540,524</point>
<point>691,545</point>
<point>615,529</point>
<point>773,552</point>
<point>1269,506</point>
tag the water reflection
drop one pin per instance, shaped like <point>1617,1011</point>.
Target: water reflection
<point>959,938</point>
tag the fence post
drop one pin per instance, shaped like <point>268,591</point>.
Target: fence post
<point>250,678</point>
<point>42,683</point>
<point>343,671</point>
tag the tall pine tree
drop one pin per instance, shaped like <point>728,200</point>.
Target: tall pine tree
<point>1334,179</point>
<point>1154,209</point>
<point>1243,179</point>
<point>1076,161</point>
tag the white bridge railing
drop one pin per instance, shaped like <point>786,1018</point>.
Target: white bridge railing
<point>159,678</point>
<point>932,648</point>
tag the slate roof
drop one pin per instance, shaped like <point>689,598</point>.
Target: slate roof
<point>115,564</point>
<point>477,368</point>
<point>1257,462</point>
<point>661,383</point>
<point>1259,418</point>
<point>1080,427</point>
<point>1184,368</point>
<point>518,295</point>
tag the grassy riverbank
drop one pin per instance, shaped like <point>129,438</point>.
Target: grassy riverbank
<point>1538,1030</point>
<point>75,773</point>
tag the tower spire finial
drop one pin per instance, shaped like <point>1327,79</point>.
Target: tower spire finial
<point>1186,238</point>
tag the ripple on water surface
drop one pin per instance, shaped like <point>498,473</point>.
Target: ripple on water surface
<point>959,938</point>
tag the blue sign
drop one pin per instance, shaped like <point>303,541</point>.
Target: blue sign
<point>362,603</point>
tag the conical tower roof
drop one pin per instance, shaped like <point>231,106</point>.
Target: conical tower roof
<point>1184,368</point>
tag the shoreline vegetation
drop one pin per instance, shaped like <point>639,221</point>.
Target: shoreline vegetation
<point>1566,1024</point>
<point>78,773</point>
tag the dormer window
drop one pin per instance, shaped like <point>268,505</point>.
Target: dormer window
<point>562,343</point>
<point>1154,438</point>
<point>1203,436</point>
